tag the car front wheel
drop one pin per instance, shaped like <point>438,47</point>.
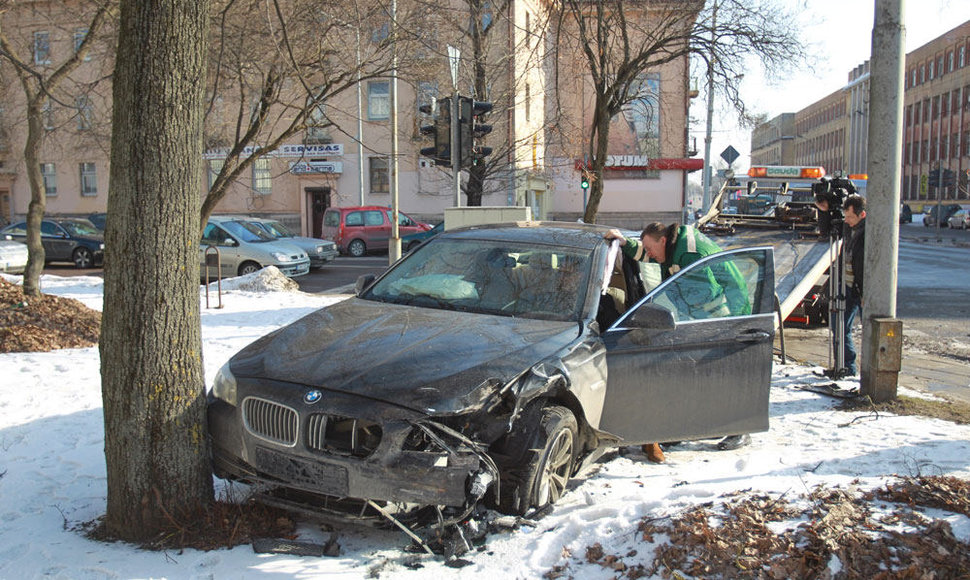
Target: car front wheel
<point>357,248</point>
<point>83,258</point>
<point>549,446</point>
<point>249,268</point>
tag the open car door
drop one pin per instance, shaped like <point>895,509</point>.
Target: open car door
<point>692,360</point>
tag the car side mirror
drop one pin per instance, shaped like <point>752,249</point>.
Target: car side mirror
<point>653,316</point>
<point>363,283</point>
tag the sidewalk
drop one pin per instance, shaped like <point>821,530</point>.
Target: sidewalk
<point>924,372</point>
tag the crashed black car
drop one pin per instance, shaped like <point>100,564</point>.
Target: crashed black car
<point>491,363</point>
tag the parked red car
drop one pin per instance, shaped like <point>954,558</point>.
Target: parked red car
<point>361,229</point>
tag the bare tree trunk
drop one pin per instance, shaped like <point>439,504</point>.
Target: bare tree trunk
<point>38,200</point>
<point>601,134</point>
<point>151,364</point>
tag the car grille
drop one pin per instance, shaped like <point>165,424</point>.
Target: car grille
<point>270,421</point>
<point>342,435</point>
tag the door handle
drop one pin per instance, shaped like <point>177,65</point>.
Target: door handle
<point>752,336</point>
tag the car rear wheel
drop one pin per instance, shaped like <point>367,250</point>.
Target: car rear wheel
<point>83,258</point>
<point>357,248</point>
<point>249,268</point>
<point>547,448</point>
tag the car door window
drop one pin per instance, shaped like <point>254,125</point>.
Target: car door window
<point>216,236</point>
<point>354,218</point>
<point>49,229</point>
<point>722,286</point>
<point>403,220</point>
<point>373,218</point>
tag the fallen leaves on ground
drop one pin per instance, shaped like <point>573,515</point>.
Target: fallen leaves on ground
<point>44,323</point>
<point>829,533</point>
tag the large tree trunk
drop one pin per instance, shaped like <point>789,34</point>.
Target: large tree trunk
<point>600,131</point>
<point>151,365</point>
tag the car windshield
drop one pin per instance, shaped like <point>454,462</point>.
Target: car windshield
<point>491,277</point>
<point>248,232</point>
<point>80,228</point>
<point>277,229</point>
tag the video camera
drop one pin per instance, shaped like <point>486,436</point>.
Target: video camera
<point>833,191</point>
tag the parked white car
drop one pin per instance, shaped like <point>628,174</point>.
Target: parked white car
<point>244,248</point>
<point>13,257</point>
<point>960,220</point>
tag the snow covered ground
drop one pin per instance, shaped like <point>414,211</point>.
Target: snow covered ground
<point>52,474</point>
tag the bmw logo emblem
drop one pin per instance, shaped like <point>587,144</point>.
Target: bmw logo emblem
<point>312,397</point>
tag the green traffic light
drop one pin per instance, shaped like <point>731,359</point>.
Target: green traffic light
<point>584,184</point>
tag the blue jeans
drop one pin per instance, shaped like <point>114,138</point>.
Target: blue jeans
<point>853,304</point>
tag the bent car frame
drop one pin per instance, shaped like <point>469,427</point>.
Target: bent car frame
<point>492,364</point>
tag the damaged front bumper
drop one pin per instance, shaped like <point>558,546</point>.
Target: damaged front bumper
<point>392,455</point>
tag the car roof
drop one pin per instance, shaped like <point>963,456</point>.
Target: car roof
<point>359,207</point>
<point>572,234</point>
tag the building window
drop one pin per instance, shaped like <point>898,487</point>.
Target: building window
<point>945,104</point>
<point>949,61</point>
<point>89,178</point>
<point>922,73</point>
<point>214,168</point>
<point>317,123</point>
<point>939,66</point>
<point>49,176</point>
<point>379,179</point>
<point>85,113</point>
<point>528,102</point>
<point>42,47</point>
<point>378,100</point>
<point>262,178</point>
<point>962,57</point>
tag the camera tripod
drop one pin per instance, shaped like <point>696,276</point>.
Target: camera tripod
<point>837,302</point>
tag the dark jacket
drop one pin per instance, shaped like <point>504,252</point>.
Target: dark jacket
<point>855,246</point>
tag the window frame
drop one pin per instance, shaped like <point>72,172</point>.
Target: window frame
<point>374,174</point>
<point>376,100</point>
<point>262,176</point>
<point>48,177</point>
<point>88,174</point>
<point>42,47</point>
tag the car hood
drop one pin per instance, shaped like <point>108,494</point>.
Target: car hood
<point>431,361</point>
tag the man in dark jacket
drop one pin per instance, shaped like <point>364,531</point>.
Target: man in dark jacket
<point>855,243</point>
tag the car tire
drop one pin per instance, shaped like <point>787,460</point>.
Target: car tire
<point>83,258</point>
<point>544,443</point>
<point>248,267</point>
<point>357,248</point>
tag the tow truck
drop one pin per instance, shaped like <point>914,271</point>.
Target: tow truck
<point>774,205</point>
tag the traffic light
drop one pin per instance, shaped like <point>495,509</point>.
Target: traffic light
<point>471,128</point>
<point>584,181</point>
<point>440,111</point>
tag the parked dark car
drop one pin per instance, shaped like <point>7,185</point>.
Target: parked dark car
<point>65,240</point>
<point>931,217</point>
<point>482,366</point>
<point>411,241</point>
<point>361,229</point>
<point>98,219</point>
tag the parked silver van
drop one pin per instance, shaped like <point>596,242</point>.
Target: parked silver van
<point>245,248</point>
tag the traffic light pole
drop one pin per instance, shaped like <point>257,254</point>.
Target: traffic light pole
<point>456,148</point>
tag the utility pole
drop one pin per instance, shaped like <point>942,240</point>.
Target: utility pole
<point>881,331</point>
<point>706,205</point>
<point>394,247</point>
<point>453,57</point>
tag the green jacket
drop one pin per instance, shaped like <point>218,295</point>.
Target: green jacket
<point>721,284</point>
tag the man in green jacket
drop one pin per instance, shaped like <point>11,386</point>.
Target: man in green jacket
<point>719,290</point>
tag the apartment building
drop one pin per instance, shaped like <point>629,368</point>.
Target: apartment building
<point>937,118</point>
<point>833,132</point>
<point>344,159</point>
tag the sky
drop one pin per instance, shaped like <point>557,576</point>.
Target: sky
<point>52,471</point>
<point>839,33</point>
